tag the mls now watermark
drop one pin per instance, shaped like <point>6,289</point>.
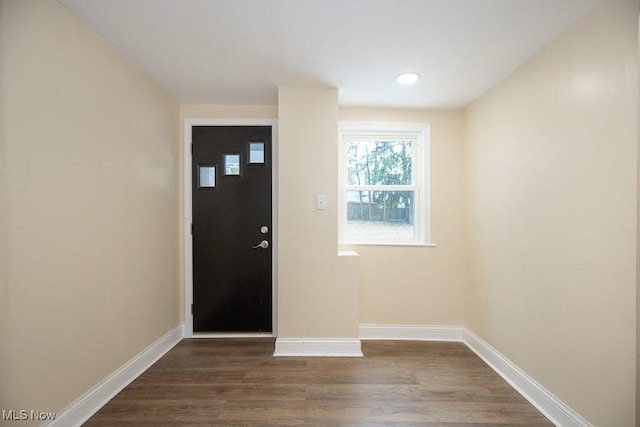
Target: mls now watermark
<point>24,415</point>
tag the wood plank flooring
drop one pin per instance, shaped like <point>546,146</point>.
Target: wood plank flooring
<point>238,382</point>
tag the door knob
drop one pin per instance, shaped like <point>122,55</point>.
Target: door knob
<point>263,245</point>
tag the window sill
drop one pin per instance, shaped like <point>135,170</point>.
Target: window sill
<point>423,245</point>
<point>348,253</point>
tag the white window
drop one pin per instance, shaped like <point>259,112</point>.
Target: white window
<point>384,180</point>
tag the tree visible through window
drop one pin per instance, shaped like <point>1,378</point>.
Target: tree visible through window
<point>381,195</point>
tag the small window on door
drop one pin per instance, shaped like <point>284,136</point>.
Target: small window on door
<point>256,153</point>
<point>206,176</point>
<point>232,164</point>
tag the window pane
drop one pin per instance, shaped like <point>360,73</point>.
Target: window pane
<point>256,152</point>
<point>232,164</point>
<point>206,176</point>
<point>379,162</point>
<point>379,215</point>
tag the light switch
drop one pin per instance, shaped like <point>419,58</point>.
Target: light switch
<point>321,202</point>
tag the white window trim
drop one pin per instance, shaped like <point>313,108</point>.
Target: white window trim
<point>422,180</point>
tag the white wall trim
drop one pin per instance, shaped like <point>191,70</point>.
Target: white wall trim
<point>552,408</point>
<point>326,347</point>
<point>90,402</point>
<point>188,210</point>
<point>411,332</point>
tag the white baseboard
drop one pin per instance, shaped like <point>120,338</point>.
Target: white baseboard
<point>89,403</point>
<point>411,332</point>
<point>328,347</point>
<point>552,408</point>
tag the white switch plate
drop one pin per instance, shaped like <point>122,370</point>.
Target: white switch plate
<point>321,202</point>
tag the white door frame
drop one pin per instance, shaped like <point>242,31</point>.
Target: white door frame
<point>188,218</point>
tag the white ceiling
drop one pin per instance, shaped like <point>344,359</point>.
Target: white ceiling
<point>240,51</point>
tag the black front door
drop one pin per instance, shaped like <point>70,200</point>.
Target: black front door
<point>231,199</point>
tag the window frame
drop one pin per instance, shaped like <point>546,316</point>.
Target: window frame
<point>420,171</point>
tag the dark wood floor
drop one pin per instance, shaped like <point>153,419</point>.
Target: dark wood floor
<point>238,382</point>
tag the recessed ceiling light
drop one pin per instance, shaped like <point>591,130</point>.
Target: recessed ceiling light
<point>407,78</point>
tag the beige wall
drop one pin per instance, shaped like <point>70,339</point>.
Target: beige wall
<point>188,111</point>
<point>91,178</point>
<point>638,251</point>
<point>420,285</point>
<point>317,289</point>
<point>551,178</point>
<point>90,188</point>
<point>4,271</point>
